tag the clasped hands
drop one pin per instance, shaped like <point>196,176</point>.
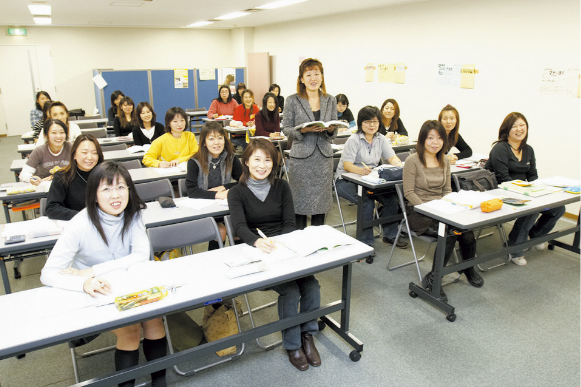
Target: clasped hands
<point>169,164</point>
<point>221,192</point>
<point>92,285</point>
<point>316,128</point>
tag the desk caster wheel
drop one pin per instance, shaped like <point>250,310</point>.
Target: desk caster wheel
<point>451,318</point>
<point>369,260</point>
<point>551,247</point>
<point>355,356</point>
<point>322,325</point>
<point>413,294</point>
<point>21,356</point>
<point>17,274</point>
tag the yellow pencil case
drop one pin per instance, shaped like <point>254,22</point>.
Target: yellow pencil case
<point>491,205</point>
<point>143,297</point>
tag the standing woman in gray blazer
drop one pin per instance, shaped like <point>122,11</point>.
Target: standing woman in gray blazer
<point>311,155</point>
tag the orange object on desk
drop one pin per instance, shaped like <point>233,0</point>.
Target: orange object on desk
<point>491,205</point>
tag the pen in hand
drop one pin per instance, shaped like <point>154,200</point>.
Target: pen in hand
<point>265,237</point>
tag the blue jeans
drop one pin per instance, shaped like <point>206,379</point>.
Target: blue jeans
<point>304,293</point>
<point>526,227</point>
<point>348,190</point>
<point>239,141</point>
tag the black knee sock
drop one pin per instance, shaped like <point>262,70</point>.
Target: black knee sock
<point>213,245</point>
<point>318,220</point>
<point>301,221</point>
<point>154,349</point>
<point>126,359</point>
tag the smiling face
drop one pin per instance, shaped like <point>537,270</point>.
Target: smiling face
<point>86,156</point>
<point>224,94</point>
<point>112,199</point>
<point>434,142</point>
<point>312,79</point>
<point>215,143</point>
<point>270,104</point>
<point>56,136</point>
<point>146,115</point>
<point>178,124</point>
<point>370,126</point>
<point>448,120</point>
<point>388,111</point>
<point>127,108</point>
<point>42,99</point>
<point>518,132</point>
<point>259,165</point>
<point>59,113</point>
<point>247,100</point>
<point>341,107</point>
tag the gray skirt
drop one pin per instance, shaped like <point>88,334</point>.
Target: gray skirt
<point>311,183</point>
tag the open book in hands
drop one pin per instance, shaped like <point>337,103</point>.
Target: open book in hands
<point>322,124</point>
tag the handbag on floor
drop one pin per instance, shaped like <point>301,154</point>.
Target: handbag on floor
<point>220,323</point>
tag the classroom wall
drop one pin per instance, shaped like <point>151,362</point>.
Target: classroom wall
<point>510,41</point>
<point>77,51</point>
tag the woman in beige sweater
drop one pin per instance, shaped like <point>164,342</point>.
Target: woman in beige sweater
<point>426,177</point>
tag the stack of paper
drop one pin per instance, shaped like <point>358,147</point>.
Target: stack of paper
<point>468,199</point>
<point>534,190</point>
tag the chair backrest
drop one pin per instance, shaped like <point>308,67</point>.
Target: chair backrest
<point>149,192</point>
<point>72,118</point>
<point>115,147</point>
<point>80,118</point>
<point>182,188</point>
<point>229,229</point>
<point>403,155</point>
<point>131,164</point>
<point>88,125</point>
<point>340,140</point>
<point>42,207</point>
<point>184,234</point>
<point>478,180</point>
<point>96,132</point>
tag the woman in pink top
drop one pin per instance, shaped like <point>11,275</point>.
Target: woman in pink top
<point>224,105</point>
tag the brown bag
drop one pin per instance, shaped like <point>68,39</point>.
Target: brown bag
<point>219,323</point>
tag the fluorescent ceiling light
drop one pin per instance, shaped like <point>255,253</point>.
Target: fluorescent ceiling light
<point>40,9</point>
<point>200,24</point>
<point>42,20</point>
<point>232,15</point>
<point>280,3</point>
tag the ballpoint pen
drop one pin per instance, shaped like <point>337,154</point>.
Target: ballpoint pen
<point>265,237</point>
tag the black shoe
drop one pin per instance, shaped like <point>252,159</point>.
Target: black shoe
<point>400,244</point>
<point>473,277</point>
<point>298,359</point>
<point>427,284</point>
<point>431,233</point>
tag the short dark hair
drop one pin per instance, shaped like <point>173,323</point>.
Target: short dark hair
<point>307,65</point>
<point>268,148</point>
<point>274,86</point>
<point>38,95</point>
<point>138,110</point>
<point>219,99</point>
<point>50,122</point>
<point>342,98</point>
<point>70,170</point>
<point>367,113</point>
<point>240,86</point>
<point>421,145</point>
<point>267,115</point>
<point>171,114</point>
<point>453,136</point>
<point>57,104</point>
<point>202,154</point>
<point>108,171</point>
<point>115,95</point>
<point>506,126</point>
<point>393,123</point>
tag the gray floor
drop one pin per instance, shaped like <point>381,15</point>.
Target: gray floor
<point>520,329</point>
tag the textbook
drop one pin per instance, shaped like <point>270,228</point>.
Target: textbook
<point>312,239</point>
<point>138,148</point>
<point>468,199</point>
<point>534,190</point>
<point>322,124</point>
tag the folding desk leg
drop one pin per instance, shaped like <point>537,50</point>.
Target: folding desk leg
<point>6,212</point>
<point>4,273</point>
<point>359,228</point>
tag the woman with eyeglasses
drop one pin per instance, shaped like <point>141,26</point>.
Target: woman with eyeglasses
<point>362,152</point>
<point>107,236</point>
<point>224,104</point>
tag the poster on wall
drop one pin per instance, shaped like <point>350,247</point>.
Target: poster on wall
<point>180,77</point>
<point>207,74</point>
<point>559,81</point>
<point>448,74</point>
<point>369,72</point>
<point>386,72</point>
<point>400,72</point>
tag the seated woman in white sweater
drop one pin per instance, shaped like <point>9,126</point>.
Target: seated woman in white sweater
<point>108,235</point>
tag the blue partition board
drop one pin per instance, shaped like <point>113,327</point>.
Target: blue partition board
<point>165,95</point>
<point>133,84</point>
<point>98,97</point>
<point>208,90</point>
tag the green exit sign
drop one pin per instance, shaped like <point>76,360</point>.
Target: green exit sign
<point>17,32</point>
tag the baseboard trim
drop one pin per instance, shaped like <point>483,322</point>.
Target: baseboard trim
<point>3,135</point>
<point>571,216</point>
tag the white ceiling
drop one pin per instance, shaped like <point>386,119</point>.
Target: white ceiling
<point>176,13</point>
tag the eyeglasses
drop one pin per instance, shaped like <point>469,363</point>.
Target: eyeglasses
<point>371,122</point>
<point>109,190</point>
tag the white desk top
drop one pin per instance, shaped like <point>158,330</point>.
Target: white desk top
<point>145,175</point>
<point>122,155</point>
<point>197,113</point>
<point>90,121</point>
<point>47,316</point>
<point>187,209</point>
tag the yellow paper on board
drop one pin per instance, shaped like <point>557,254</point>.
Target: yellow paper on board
<point>386,72</point>
<point>400,73</point>
<point>369,72</point>
<point>467,77</point>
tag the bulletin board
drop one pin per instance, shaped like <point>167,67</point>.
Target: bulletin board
<point>208,90</point>
<point>133,83</point>
<point>165,95</point>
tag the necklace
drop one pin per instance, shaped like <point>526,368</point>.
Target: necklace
<point>215,164</point>
<point>81,177</point>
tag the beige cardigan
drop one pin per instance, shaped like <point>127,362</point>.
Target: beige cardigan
<point>421,184</point>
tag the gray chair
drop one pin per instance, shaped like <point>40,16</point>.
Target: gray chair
<point>184,235</point>
<point>231,235</point>
<point>182,188</point>
<point>42,208</point>
<point>131,164</point>
<point>404,155</point>
<point>114,147</point>
<point>95,132</point>
<point>149,192</point>
<point>87,125</point>
<point>340,140</point>
<point>81,118</point>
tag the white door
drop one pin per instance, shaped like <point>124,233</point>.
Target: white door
<point>24,70</point>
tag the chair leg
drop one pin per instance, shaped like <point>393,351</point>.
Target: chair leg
<point>504,241</point>
<point>416,260</point>
<point>377,217</point>
<point>250,310</point>
<point>340,211</point>
<point>75,365</point>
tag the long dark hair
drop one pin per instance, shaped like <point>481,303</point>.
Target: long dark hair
<point>242,99</point>
<point>506,126</point>
<point>268,115</point>
<point>367,113</point>
<point>45,110</point>
<point>109,171</point>
<point>121,113</point>
<point>57,104</point>
<point>453,136</point>
<point>138,110</point>
<point>171,114</point>
<point>50,122</point>
<point>393,123</point>
<point>268,148</point>
<point>219,99</point>
<point>307,65</point>
<point>70,170</point>
<point>272,87</point>
<point>114,96</point>
<point>421,145</point>
<point>38,95</point>
<point>242,86</point>
<point>202,154</point>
